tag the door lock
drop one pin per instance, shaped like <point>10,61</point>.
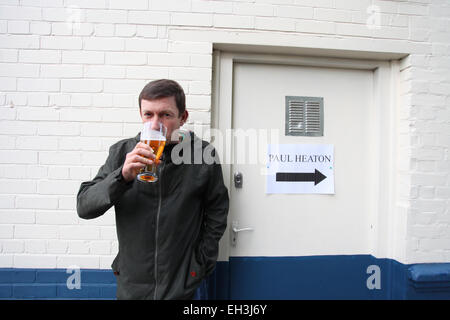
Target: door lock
<point>238,180</point>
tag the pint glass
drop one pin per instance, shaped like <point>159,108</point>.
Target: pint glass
<point>154,135</point>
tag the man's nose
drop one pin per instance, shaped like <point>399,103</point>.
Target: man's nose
<point>155,123</point>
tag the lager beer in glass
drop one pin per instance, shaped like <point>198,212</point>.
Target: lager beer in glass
<point>154,135</point>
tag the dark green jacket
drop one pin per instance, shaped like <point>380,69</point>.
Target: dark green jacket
<point>168,231</point>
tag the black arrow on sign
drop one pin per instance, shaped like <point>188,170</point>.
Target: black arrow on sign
<point>315,177</point>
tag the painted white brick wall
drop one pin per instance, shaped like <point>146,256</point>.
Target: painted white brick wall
<point>70,73</point>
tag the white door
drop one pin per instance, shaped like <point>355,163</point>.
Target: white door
<point>279,230</point>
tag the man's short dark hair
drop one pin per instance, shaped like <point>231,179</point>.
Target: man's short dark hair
<point>164,88</point>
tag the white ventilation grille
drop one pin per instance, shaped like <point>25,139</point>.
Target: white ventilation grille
<point>304,116</point>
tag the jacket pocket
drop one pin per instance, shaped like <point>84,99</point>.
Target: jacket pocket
<point>195,273</point>
<point>115,266</point>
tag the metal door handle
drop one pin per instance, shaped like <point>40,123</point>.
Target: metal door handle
<point>235,230</point>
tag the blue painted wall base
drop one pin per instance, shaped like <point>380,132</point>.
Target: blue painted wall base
<point>52,284</point>
<point>289,278</point>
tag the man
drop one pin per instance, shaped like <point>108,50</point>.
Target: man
<point>168,231</point>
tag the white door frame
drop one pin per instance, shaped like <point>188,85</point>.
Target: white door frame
<point>384,222</point>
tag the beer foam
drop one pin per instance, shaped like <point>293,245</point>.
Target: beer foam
<point>148,134</point>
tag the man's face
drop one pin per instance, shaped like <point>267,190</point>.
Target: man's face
<point>163,110</point>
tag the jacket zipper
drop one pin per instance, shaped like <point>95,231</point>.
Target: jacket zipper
<point>156,231</point>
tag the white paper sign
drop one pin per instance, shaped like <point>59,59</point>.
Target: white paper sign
<point>300,168</point>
